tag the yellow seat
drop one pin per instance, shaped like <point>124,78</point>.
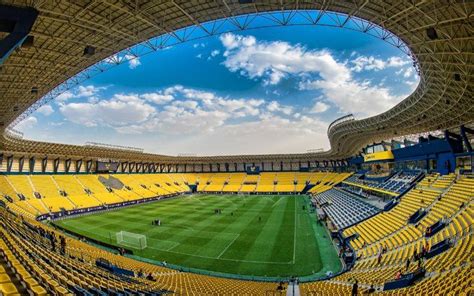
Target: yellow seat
<point>8,289</point>
<point>4,278</point>
<point>30,282</point>
<point>61,290</point>
<point>38,290</point>
<point>23,273</point>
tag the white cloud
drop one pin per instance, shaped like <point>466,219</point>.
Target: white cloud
<point>133,61</point>
<point>253,137</point>
<point>274,61</point>
<point>351,96</point>
<point>186,104</point>
<point>318,70</point>
<point>397,62</point>
<point>364,63</point>
<point>274,106</point>
<point>215,52</point>
<point>195,111</point>
<point>82,91</point>
<point>64,96</point>
<point>408,73</point>
<point>185,119</point>
<point>86,91</point>
<point>367,63</point>
<point>158,98</point>
<point>60,123</point>
<point>118,111</point>
<point>46,110</point>
<point>319,107</point>
<point>183,111</point>
<point>26,123</point>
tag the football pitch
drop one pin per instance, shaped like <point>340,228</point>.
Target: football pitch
<point>253,235</point>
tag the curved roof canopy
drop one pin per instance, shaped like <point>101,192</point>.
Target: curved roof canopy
<point>63,29</point>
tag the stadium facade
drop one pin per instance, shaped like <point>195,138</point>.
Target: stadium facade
<point>427,182</point>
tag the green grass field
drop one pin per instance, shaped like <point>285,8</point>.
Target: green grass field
<point>287,241</point>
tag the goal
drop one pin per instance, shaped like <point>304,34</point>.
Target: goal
<point>132,240</point>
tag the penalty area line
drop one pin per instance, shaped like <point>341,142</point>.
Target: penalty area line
<point>230,244</point>
<point>224,259</point>
<point>173,246</point>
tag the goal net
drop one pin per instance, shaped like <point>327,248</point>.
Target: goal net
<point>132,240</point>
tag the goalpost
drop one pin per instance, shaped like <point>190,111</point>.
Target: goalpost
<point>130,239</point>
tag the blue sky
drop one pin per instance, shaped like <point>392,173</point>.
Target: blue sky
<point>272,90</point>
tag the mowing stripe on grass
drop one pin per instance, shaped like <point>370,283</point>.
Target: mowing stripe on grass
<point>294,237</point>
<point>235,241</point>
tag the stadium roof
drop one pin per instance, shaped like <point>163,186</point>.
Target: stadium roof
<point>439,34</point>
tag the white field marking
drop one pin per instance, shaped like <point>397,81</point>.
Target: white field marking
<point>230,244</point>
<point>155,229</point>
<point>173,246</point>
<point>274,204</point>
<point>188,229</point>
<point>148,238</point>
<point>229,198</point>
<point>89,228</point>
<point>294,238</point>
<point>225,259</point>
<point>176,225</point>
<point>199,256</point>
<point>196,198</point>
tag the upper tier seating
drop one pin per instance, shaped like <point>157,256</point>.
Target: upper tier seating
<point>397,183</point>
<point>342,208</point>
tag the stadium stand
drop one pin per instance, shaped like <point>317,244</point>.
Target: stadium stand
<point>326,180</point>
<point>394,185</point>
<point>285,182</point>
<point>428,231</point>
<point>43,194</point>
<point>302,179</point>
<point>266,182</point>
<point>384,246</point>
<point>342,208</point>
<point>250,184</point>
<point>398,243</point>
<point>217,182</point>
<point>234,182</point>
<point>75,270</point>
<point>203,181</point>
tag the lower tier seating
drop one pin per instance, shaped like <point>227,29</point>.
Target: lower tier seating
<point>32,262</point>
<point>35,195</point>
